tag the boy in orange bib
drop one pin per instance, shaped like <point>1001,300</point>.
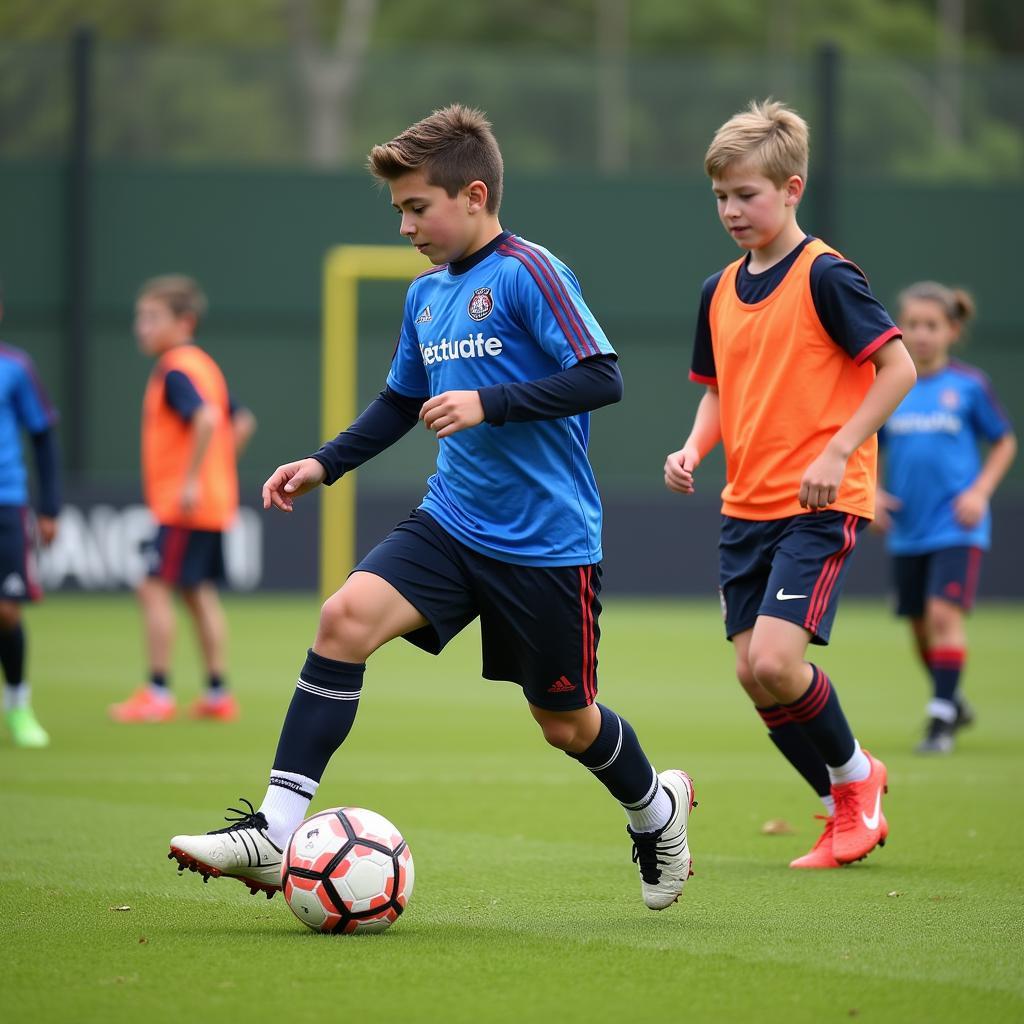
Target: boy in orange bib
<point>802,365</point>
<point>192,433</point>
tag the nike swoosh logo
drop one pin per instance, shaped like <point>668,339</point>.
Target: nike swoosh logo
<point>782,596</point>
<point>872,823</point>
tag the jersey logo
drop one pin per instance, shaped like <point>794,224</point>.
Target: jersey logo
<point>424,317</point>
<point>949,399</point>
<point>561,685</point>
<point>783,596</point>
<point>14,586</point>
<point>481,304</point>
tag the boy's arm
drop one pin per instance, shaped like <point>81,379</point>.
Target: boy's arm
<point>971,505</point>
<point>44,445</point>
<point>204,422</point>
<point>390,416</point>
<point>587,385</point>
<point>243,425</point>
<point>704,435</point>
<point>894,378</point>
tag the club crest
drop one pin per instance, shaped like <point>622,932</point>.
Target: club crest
<point>481,304</point>
<point>949,399</point>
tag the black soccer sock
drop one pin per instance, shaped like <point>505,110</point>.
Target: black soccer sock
<point>158,679</point>
<point>215,682</point>
<point>945,665</point>
<point>796,748</point>
<point>821,718</point>
<point>617,759</point>
<point>320,715</point>
<point>12,654</point>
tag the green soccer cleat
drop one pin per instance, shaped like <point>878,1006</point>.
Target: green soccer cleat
<point>25,728</point>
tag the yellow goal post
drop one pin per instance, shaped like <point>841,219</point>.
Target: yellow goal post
<point>344,267</point>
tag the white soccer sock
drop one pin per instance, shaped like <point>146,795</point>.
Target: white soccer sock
<point>830,804</point>
<point>857,769</point>
<point>16,695</point>
<point>653,811</point>
<point>285,804</point>
<point>944,710</point>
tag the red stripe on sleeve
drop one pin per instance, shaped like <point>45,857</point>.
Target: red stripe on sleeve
<point>866,353</point>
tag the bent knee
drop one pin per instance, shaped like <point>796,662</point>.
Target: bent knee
<point>772,670</point>
<point>342,621</point>
<point>560,733</point>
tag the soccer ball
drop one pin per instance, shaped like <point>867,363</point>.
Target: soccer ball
<point>347,870</point>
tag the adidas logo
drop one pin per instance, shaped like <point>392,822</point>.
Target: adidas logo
<point>424,317</point>
<point>561,685</point>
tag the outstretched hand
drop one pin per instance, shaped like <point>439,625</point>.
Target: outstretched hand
<point>452,411</point>
<point>292,481</point>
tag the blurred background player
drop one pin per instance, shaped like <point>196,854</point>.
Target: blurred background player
<point>192,435</point>
<point>802,366</point>
<point>935,507</point>
<point>500,357</point>
<point>24,405</point>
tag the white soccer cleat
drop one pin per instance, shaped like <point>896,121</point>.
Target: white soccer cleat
<point>243,850</point>
<point>664,856</point>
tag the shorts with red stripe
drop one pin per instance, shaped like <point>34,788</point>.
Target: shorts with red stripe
<point>19,580</point>
<point>949,573</point>
<point>186,558</point>
<point>538,624</point>
<point>790,569</point>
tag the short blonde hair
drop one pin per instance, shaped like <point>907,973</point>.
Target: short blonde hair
<point>454,146</point>
<point>182,295</point>
<point>767,133</point>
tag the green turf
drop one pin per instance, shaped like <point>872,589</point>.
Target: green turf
<point>526,904</point>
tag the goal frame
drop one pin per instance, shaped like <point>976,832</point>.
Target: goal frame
<point>345,266</point>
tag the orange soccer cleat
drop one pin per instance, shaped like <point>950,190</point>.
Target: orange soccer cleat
<point>218,708</point>
<point>820,854</point>
<point>860,825</point>
<point>144,706</point>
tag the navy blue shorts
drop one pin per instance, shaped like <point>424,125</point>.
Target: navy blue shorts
<point>790,569</point>
<point>186,558</point>
<point>538,625</point>
<point>949,573</point>
<point>19,580</point>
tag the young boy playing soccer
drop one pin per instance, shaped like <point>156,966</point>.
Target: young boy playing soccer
<point>501,358</point>
<point>192,434</point>
<point>802,366</point>
<point>24,405</point>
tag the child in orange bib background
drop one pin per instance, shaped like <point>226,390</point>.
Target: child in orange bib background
<point>192,434</point>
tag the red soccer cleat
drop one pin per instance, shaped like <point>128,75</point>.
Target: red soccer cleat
<point>144,706</point>
<point>219,708</point>
<point>860,825</point>
<point>820,854</point>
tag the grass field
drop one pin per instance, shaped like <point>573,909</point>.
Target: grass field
<point>526,903</point>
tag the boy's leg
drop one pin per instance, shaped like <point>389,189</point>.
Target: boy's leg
<point>363,615</point>
<point>806,694</point>
<point>154,701</point>
<point>540,627</point>
<point>21,720</point>
<point>951,584</point>
<point>204,605</point>
<point>783,731</point>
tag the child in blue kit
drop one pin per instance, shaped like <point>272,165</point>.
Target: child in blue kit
<point>935,507</point>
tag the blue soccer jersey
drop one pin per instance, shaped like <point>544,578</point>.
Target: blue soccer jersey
<point>522,492</point>
<point>931,455</point>
<point>23,406</point>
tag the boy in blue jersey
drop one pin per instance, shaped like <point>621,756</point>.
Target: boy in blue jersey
<point>501,358</point>
<point>24,405</point>
<point>936,505</point>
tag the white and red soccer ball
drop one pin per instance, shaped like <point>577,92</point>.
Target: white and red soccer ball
<point>347,870</point>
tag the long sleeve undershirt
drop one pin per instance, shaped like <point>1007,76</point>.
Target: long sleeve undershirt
<point>45,446</point>
<point>583,387</point>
